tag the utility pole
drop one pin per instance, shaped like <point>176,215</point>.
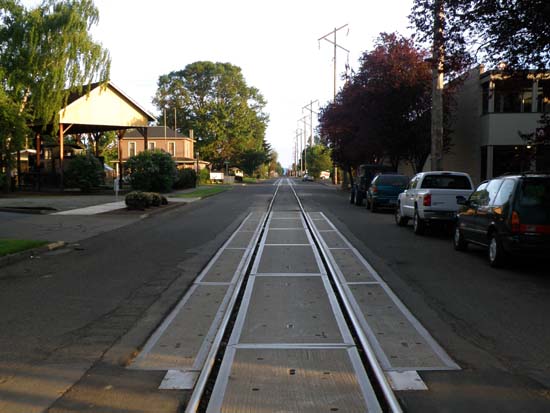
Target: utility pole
<point>299,150</point>
<point>305,142</point>
<point>438,58</point>
<point>309,107</point>
<point>336,46</point>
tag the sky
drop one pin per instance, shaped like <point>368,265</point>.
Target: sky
<point>275,43</point>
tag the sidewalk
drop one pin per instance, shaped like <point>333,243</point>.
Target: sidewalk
<point>65,218</point>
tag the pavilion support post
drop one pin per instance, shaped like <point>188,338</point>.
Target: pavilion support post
<point>61,153</point>
<point>37,166</point>
<point>19,168</point>
<point>120,135</point>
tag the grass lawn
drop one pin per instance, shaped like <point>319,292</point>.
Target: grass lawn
<point>247,180</point>
<point>203,192</point>
<point>9,246</point>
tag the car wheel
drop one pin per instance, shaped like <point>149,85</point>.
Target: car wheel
<point>352,197</point>
<point>496,251</point>
<point>459,242</point>
<point>400,219</point>
<point>419,226</point>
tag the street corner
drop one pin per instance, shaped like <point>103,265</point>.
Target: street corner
<point>30,253</point>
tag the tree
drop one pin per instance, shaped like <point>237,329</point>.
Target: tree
<point>12,134</point>
<point>516,32</point>
<point>84,172</point>
<point>383,112</point>
<point>152,171</point>
<point>214,100</point>
<point>318,159</point>
<point>46,53</point>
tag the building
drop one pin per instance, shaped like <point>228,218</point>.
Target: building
<point>181,147</point>
<point>492,110</point>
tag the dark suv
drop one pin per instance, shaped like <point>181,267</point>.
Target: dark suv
<point>509,214</point>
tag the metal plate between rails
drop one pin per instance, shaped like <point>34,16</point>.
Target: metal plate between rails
<point>291,310</point>
<point>291,259</point>
<point>292,380</point>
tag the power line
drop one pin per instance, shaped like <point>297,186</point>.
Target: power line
<point>336,46</point>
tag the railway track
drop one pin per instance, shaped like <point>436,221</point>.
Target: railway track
<point>277,322</point>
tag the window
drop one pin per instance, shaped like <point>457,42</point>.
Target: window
<point>534,201</point>
<point>505,192</point>
<point>446,181</point>
<point>413,183</point>
<point>479,197</point>
<point>392,180</point>
<point>485,96</point>
<point>492,190</point>
<point>172,148</point>
<point>513,96</point>
<point>151,145</point>
<point>543,96</point>
<point>131,149</point>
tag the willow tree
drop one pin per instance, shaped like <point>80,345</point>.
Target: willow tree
<point>47,52</point>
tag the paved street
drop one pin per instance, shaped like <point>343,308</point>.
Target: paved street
<point>75,317</point>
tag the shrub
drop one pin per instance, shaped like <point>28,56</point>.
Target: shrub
<point>186,178</point>
<point>152,171</point>
<point>84,172</point>
<point>136,200</point>
<point>204,176</point>
<point>154,198</point>
<point>142,200</point>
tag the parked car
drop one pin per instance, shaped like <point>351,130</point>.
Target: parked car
<point>364,177</point>
<point>432,197</point>
<point>508,215</point>
<point>307,178</point>
<point>384,189</point>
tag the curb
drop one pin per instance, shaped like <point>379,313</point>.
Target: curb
<point>28,210</point>
<point>22,255</point>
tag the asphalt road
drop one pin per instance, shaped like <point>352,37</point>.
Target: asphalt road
<point>79,314</point>
<point>492,322</point>
<point>73,318</point>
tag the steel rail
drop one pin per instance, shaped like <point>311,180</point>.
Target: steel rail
<point>367,348</point>
<point>195,399</point>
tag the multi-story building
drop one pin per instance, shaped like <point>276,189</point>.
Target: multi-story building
<point>181,147</point>
<point>492,110</point>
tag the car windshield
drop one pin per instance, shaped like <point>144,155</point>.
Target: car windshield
<point>392,180</point>
<point>534,201</point>
<point>446,182</point>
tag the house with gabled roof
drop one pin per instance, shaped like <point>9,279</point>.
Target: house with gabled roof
<point>179,146</point>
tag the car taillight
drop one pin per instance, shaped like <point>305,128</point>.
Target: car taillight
<point>515,223</point>
<point>427,200</point>
<point>374,189</point>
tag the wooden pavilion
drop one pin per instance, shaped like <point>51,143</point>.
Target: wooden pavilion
<point>103,107</point>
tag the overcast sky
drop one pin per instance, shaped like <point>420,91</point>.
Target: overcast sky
<point>275,43</point>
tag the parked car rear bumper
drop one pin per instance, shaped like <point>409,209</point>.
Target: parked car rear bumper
<point>527,244</point>
<point>440,215</point>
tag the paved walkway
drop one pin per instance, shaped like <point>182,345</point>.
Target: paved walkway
<point>68,218</point>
